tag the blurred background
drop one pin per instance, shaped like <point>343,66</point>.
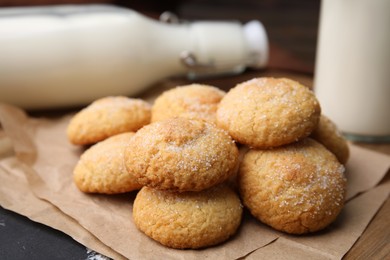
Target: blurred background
<point>292,26</point>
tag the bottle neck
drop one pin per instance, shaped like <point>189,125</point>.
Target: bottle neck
<point>222,48</point>
<point>210,48</point>
<point>217,48</point>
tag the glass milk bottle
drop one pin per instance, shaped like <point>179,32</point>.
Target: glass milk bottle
<point>71,55</point>
<point>352,76</point>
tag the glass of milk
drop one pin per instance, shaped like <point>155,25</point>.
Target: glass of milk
<point>352,75</point>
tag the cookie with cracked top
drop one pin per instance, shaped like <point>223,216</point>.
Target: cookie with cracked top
<point>297,188</point>
<point>101,167</point>
<point>106,117</point>
<point>328,135</point>
<point>190,101</point>
<point>188,219</point>
<point>181,154</point>
<point>269,112</point>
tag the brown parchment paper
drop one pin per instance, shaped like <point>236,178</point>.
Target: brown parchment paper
<point>43,163</point>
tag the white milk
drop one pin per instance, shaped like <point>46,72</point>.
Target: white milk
<point>352,77</point>
<point>71,55</point>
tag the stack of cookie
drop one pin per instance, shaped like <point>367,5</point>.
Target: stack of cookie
<point>183,151</point>
<point>181,160</point>
<point>107,125</point>
<point>182,164</point>
<point>287,179</point>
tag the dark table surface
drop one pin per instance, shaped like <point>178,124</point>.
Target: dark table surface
<point>21,238</point>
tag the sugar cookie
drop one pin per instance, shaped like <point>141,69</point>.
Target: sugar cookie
<point>297,188</point>
<point>190,101</point>
<point>106,117</point>
<point>329,136</point>
<point>101,168</point>
<point>181,154</point>
<point>268,112</point>
<point>188,219</point>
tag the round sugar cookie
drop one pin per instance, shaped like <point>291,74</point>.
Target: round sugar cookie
<point>268,112</point>
<point>188,219</point>
<point>101,168</point>
<point>181,154</point>
<point>106,117</point>
<point>329,136</point>
<point>298,188</point>
<point>190,101</point>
